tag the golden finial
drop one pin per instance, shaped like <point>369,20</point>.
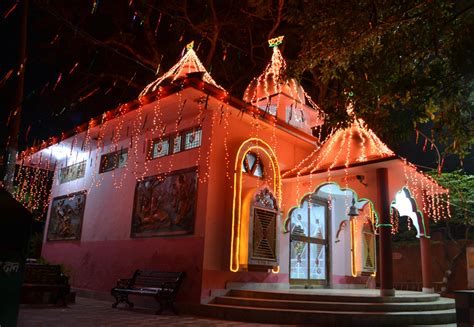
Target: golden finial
<point>275,41</point>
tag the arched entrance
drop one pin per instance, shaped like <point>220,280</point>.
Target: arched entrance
<point>255,212</point>
<point>332,235</point>
<point>309,242</point>
<point>405,206</point>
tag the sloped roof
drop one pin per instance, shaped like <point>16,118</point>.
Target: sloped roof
<point>273,81</point>
<point>346,147</point>
<point>189,63</point>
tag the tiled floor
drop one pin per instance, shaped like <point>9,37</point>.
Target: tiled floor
<point>88,312</point>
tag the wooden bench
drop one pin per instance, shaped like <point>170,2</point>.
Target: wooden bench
<point>39,279</point>
<point>163,286</point>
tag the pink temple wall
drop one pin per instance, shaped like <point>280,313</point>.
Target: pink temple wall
<point>289,151</point>
<point>106,250</point>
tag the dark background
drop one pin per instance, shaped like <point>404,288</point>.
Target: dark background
<point>61,34</point>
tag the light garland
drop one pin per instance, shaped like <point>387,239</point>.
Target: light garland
<point>245,147</point>
<point>190,63</point>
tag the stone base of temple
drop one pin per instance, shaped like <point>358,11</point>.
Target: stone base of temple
<point>331,307</point>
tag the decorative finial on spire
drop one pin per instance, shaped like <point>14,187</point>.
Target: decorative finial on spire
<point>189,63</point>
<point>272,43</point>
<point>190,45</point>
<point>350,109</point>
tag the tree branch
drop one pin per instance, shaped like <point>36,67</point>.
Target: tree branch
<point>278,19</point>
<point>134,53</point>
<point>215,35</point>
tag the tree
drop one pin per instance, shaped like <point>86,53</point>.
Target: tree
<point>457,229</point>
<point>404,63</point>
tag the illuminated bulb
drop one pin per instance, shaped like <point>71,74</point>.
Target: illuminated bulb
<point>189,63</point>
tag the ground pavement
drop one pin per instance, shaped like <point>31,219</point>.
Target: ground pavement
<point>89,312</point>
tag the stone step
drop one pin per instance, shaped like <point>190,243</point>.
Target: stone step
<point>332,295</point>
<point>327,318</point>
<point>441,304</point>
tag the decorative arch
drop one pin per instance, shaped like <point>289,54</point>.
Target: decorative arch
<point>357,250</point>
<point>406,205</point>
<point>264,149</point>
<point>303,198</point>
<point>363,247</point>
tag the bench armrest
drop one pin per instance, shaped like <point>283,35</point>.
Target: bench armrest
<point>124,282</point>
<point>64,279</point>
<point>170,287</point>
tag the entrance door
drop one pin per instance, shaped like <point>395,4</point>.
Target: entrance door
<point>309,243</point>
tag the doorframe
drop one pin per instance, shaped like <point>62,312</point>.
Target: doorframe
<point>312,198</point>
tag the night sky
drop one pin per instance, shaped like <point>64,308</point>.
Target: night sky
<point>69,40</point>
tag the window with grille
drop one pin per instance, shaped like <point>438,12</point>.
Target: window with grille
<point>113,160</point>
<point>192,139</point>
<point>160,148</point>
<point>264,236</point>
<point>252,165</point>
<point>72,172</point>
<point>175,143</point>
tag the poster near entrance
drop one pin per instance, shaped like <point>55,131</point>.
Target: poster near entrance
<point>308,243</point>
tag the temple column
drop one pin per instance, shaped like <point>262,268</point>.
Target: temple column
<point>385,234</point>
<point>425,248</point>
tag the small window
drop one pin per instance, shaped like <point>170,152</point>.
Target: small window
<point>177,144</point>
<point>113,160</point>
<point>160,148</point>
<point>268,107</point>
<point>72,172</point>
<point>252,165</point>
<point>192,139</point>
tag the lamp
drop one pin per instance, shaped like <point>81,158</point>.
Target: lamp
<point>353,211</point>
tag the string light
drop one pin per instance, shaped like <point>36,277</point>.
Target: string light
<point>190,63</point>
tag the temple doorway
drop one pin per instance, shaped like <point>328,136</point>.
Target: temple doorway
<point>309,243</point>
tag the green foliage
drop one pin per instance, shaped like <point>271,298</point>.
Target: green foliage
<point>461,186</point>
<point>406,62</point>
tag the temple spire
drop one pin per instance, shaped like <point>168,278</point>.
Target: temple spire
<point>189,63</point>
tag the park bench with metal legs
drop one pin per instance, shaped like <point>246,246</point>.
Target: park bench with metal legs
<point>162,286</point>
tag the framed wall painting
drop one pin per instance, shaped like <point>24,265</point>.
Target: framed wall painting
<point>65,220</point>
<point>165,204</point>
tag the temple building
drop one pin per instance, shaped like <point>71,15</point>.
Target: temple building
<point>236,192</point>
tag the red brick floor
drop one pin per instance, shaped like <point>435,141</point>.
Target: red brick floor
<point>89,312</point>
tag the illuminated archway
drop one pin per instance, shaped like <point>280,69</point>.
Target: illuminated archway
<point>375,215</point>
<point>406,206</point>
<point>250,145</point>
<point>362,229</point>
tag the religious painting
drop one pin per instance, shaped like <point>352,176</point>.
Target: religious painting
<point>165,205</point>
<point>65,221</point>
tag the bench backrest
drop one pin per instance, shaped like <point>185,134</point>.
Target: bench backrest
<point>43,274</point>
<point>149,278</point>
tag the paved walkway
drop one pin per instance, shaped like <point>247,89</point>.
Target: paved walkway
<point>88,312</point>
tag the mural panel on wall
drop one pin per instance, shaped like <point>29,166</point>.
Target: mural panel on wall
<point>65,221</point>
<point>165,205</point>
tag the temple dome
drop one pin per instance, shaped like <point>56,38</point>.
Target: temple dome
<point>188,64</point>
<point>346,147</point>
<point>267,85</point>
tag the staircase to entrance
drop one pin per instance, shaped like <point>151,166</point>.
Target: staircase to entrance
<point>332,307</point>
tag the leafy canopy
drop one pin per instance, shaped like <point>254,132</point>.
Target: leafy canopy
<point>405,63</point>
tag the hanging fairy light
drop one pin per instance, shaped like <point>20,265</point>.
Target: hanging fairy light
<point>189,63</point>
